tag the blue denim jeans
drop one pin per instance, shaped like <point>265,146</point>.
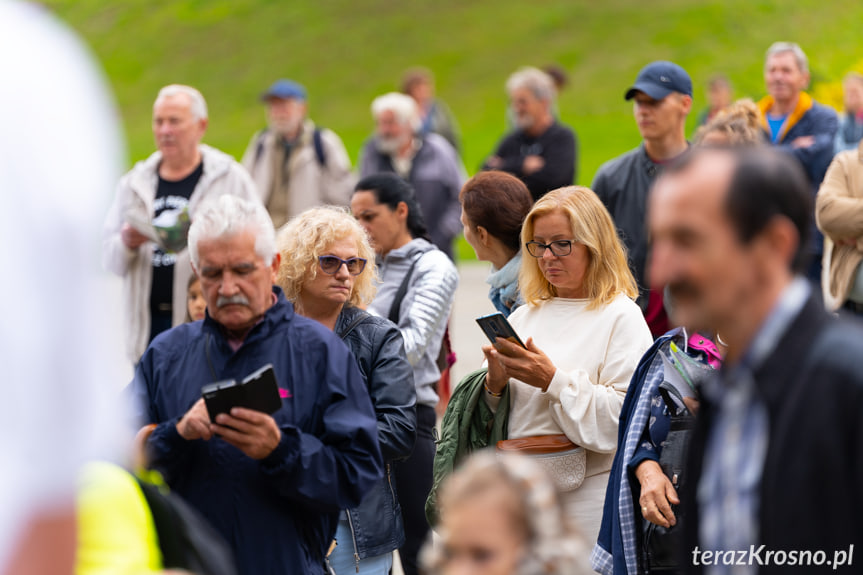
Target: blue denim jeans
<point>342,558</point>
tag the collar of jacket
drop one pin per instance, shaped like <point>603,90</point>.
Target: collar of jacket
<point>793,355</point>
<point>304,138</point>
<point>145,175</point>
<point>408,251</point>
<point>349,318</point>
<point>804,104</point>
<point>651,168</point>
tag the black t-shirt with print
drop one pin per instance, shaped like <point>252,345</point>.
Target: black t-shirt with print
<point>170,208</point>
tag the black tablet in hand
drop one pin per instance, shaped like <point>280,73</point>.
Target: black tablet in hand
<point>258,391</point>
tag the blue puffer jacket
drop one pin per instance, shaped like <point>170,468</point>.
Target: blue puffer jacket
<point>279,514</point>
<point>377,344</point>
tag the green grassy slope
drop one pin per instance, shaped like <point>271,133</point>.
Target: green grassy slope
<point>348,51</point>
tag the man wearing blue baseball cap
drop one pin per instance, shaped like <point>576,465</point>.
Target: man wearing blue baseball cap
<point>295,164</point>
<point>662,96</point>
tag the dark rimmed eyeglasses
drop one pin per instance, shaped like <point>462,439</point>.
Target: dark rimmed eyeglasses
<point>559,248</point>
<point>331,264</point>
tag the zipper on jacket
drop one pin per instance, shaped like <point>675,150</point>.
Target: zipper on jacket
<point>390,483</point>
<point>354,537</point>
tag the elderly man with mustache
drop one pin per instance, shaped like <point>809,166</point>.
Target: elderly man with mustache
<point>145,231</point>
<point>272,485</point>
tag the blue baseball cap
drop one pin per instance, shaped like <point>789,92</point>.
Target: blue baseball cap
<point>659,79</point>
<point>285,89</point>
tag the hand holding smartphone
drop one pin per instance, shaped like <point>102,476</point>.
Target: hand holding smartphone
<point>495,325</point>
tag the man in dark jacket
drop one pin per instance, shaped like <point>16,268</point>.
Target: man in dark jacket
<point>775,463</point>
<point>272,485</point>
<point>799,126</point>
<point>541,151</point>
<point>662,98</point>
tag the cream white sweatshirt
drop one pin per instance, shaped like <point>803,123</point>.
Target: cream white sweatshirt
<point>595,352</point>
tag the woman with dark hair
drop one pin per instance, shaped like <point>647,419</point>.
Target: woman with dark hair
<point>416,291</point>
<point>493,207</point>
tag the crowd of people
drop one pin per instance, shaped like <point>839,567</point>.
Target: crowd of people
<point>677,388</point>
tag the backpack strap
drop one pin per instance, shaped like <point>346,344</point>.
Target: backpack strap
<point>318,143</point>
<point>400,294</point>
<point>166,523</point>
<point>259,147</point>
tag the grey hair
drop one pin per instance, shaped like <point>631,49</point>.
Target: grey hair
<point>403,106</point>
<point>799,55</point>
<point>540,84</point>
<point>198,105</point>
<point>227,216</point>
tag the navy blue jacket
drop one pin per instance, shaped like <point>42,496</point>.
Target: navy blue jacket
<point>822,123</point>
<point>279,514</point>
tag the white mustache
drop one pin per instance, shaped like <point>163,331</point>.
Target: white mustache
<point>388,145</point>
<point>238,299</point>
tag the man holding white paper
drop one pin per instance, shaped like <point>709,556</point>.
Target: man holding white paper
<point>145,231</point>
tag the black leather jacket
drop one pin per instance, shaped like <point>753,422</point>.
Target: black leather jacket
<point>377,344</point>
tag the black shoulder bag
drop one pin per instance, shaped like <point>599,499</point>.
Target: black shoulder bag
<point>662,545</point>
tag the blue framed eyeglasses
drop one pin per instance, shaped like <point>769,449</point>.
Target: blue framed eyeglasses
<point>331,264</point>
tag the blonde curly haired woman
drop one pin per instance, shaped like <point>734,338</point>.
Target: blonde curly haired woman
<point>584,336</point>
<point>328,272</point>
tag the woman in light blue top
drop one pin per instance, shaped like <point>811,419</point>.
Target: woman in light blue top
<point>494,205</point>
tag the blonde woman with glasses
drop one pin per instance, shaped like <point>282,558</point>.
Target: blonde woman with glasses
<point>328,272</point>
<point>584,336</point>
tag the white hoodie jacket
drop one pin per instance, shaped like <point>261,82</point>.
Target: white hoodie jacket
<point>136,193</point>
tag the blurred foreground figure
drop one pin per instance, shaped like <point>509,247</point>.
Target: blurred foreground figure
<point>783,418</point>
<point>55,350</point>
<point>501,515</point>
